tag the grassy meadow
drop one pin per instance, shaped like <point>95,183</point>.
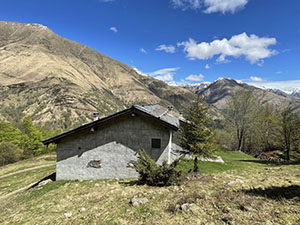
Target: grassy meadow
<point>243,190</point>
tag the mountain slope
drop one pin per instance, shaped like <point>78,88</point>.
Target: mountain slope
<point>218,93</point>
<point>60,82</point>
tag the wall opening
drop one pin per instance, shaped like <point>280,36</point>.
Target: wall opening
<point>155,143</point>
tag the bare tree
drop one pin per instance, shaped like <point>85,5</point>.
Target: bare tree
<point>241,112</point>
<point>290,128</point>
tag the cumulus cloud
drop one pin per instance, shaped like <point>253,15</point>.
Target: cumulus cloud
<point>114,29</point>
<point>167,49</point>
<point>207,66</point>
<point>165,74</point>
<point>195,77</point>
<point>254,48</point>
<point>256,79</point>
<point>210,6</point>
<point>142,50</point>
<point>224,6</point>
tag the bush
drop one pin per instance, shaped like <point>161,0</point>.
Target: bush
<point>9,153</point>
<point>156,175</point>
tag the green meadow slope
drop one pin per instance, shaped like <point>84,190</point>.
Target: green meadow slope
<point>243,190</point>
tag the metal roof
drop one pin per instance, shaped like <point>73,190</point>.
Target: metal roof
<point>153,112</point>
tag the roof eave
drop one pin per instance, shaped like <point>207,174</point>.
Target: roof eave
<point>133,109</point>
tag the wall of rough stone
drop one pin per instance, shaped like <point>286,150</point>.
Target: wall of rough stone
<point>110,150</point>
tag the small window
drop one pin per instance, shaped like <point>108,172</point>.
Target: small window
<point>155,143</point>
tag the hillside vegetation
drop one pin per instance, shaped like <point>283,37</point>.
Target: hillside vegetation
<point>59,82</point>
<point>243,190</point>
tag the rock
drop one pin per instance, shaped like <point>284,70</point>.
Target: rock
<point>186,207</point>
<point>68,214</point>
<point>136,201</point>
<point>82,209</point>
<point>44,182</point>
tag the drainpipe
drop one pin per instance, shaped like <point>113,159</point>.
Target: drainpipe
<point>170,147</point>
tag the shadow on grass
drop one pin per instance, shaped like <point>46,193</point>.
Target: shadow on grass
<point>131,183</point>
<point>272,163</point>
<point>276,193</point>
<point>51,177</point>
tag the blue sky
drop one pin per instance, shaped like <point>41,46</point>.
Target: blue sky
<point>181,41</point>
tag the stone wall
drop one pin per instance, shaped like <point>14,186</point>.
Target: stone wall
<point>110,151</point>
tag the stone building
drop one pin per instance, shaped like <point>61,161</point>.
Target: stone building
<point>107,147</point>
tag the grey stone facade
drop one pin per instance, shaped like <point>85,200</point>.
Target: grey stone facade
<point>110,150</point>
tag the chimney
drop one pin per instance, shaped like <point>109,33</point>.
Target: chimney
<point>96,116</point>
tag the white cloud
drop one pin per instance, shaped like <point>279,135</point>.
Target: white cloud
<point>224,6</point>
<point>142,50</point>
<point>187,4</point>
<point>207,66</point>
<point>286,86</point>
<point>114,29</point>
<point>195,77</point>
<point>165,74</point>
<point>254,48</point>
<point>256,79</point>
<point>278,72</point>
<point>167,49</point>
<point>210,6</point>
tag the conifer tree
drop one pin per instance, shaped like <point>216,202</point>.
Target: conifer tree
<point>197,137</point>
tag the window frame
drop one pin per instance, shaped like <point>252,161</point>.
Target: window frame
<point>155,139</point>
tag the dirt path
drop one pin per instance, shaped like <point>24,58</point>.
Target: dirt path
<point>17,191</point>
<point>26,170</point>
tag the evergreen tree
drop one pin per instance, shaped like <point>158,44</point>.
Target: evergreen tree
<point>9,134</point>
<point>157,175</point>
<point>31,138</point>
<point>197,137</point>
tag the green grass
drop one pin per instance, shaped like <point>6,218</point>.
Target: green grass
<point>28,163</point>
<point>21,180</point>
<point>243,190</point>
<point>233,161</point>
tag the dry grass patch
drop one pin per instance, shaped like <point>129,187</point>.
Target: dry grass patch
<point>256,194</point>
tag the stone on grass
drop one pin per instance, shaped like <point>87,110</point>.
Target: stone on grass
<point>136,201</point>
<point>82,209</point>
<point>193,208</point>
<point>44,182</point>
<point>68,214</point>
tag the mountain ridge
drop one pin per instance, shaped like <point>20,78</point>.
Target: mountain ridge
<point>218,92</point>
<point>54,79</point>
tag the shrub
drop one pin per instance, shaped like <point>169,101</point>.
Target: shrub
<point>156,175</point>
<point>9,153</point>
